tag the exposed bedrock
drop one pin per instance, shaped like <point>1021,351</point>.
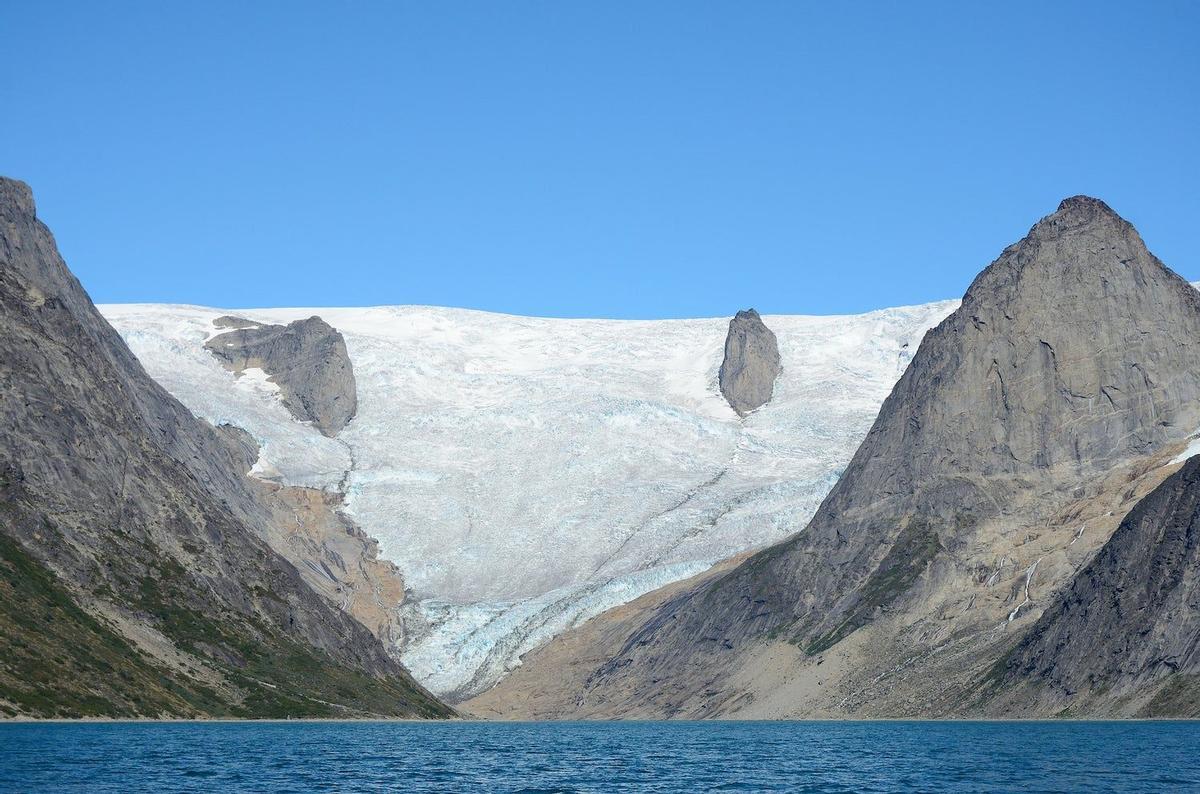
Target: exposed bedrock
<point>240,444</point>
<point>751,363</point>
<point>229,321</point>
<point>332,553</point>
<point>1127,627</point>
<point>307,359</point>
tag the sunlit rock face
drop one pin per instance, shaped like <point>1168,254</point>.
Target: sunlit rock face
<point>751,364</point>
<point>306,359</point>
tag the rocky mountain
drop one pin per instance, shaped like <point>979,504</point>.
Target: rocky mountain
<point>306,359</point>
<point>1029,421</point>
<point>751,364</point>
<point>136,576</point>
<point>1123,639</point>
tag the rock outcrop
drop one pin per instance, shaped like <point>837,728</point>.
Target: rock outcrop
<point>240,444</point>
<point>1048,402</point>
<point>337,559</point>
<point>1124,636</point>
<point>135,574</point>
<point>307,359</point>
<point>229,321</point>
<point>751,364</point>
<point>332,553</point>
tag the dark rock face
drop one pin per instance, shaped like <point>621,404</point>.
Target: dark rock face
<point>1130,620</point>
<point>240,444</point>
<point>129,522</point>
<point>1075,351</point>
<point>751,363</point>
<point>307,358</point>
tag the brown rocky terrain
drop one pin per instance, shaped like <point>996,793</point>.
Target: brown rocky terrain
<point>336,558</point>
<point>331,552</point>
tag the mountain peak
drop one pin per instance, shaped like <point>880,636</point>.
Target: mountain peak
<point>1072,355</point>
<point>18,194</point>
<point>1083,202</point>
<point>1082,253</point>
<point>1079,211</point>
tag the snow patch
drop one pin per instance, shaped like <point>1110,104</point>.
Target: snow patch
<point>1029,572</point>
<point>1193,448</point>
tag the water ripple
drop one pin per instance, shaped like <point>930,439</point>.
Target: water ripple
<point>600,757</point>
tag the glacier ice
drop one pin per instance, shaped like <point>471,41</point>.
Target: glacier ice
<point>528,473</point>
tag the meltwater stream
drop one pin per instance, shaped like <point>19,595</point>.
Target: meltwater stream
<point>600,757</point>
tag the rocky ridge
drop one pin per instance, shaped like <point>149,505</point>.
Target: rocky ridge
<point>307,359</point>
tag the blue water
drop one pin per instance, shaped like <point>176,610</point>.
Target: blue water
<point>645,756</point>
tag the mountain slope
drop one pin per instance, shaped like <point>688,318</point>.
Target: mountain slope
<point>1047,403</point>
<point>1124,637</point>
<point>134,575</point>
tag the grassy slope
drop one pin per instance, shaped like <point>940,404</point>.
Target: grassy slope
<point>57,660</point>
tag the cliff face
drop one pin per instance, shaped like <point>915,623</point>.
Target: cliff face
<point>335,557</point>
<point>1124,636</point>
<point>751,364</point>
<point>134,575</point>
<point>1047,401</point>
<point>307,359</point>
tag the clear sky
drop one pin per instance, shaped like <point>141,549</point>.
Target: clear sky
<point>602,159</point>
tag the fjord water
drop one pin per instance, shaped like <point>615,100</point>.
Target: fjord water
<point>640,756</point>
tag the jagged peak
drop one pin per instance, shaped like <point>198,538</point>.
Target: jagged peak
<point>1083,202</point>
<point>1051,246</point>
<point>16,193</point>
<point>1080,210</point>
<point>747,314</point>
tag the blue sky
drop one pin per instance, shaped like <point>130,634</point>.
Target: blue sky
<point>590,159</point>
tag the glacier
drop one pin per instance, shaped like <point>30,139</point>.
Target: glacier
<point>526,474</point>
